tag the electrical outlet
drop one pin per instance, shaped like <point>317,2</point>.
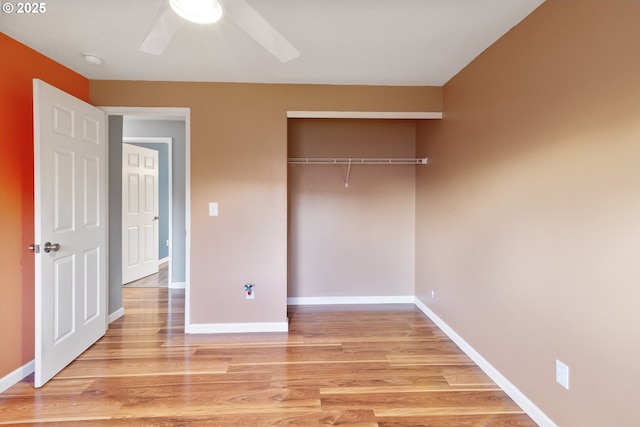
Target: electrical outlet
<point>249,291</point>
<point>562,374</point>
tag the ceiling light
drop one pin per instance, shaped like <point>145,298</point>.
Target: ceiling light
<point>199,11</point>
<point>92,59</point>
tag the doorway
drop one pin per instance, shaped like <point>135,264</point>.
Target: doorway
<point>161,217</point>
<point>136,123</point>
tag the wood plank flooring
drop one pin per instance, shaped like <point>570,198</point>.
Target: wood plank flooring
<point>157,280</point>
<point>359,366</point>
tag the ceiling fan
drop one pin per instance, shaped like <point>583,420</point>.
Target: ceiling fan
<point>172,15</point>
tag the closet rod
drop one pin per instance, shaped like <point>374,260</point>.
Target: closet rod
<point>358,161</point>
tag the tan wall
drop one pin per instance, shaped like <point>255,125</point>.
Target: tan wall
<point>238,159</point>
<point>528,217</point>
<point>355,241</point>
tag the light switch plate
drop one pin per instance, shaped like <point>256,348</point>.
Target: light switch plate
<point>562,374</point>
<point>213,208</point>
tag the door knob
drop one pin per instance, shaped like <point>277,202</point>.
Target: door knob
<point>34,248</point>
<point>155,218</point>
<point>48,247</point>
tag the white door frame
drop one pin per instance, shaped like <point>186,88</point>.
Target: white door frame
<point>169,142</point>
<point>168,113</point>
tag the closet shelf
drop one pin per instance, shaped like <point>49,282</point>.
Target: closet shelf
<point>356,161</point>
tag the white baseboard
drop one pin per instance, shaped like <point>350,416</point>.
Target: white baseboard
<point>163,260</point>
<point>116,314</point>
<point>350,300</point>
<point>511,390</point>
<point>228,328</point>
<point>16,376</point>
<point>177,285</point>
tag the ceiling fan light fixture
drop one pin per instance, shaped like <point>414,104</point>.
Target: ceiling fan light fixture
<point>198,11</point>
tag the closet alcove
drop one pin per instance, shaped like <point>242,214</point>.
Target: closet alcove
<point>351,226</point>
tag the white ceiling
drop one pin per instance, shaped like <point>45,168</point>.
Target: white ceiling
<point>369,42</point>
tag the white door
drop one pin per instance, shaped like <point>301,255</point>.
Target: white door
<point>70,155</point>
<point>139,212</point>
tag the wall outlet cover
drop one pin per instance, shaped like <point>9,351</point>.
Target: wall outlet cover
<point>248,291</point>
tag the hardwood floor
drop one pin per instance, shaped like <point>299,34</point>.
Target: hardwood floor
<point>360,366</point>
<point>158,280</point>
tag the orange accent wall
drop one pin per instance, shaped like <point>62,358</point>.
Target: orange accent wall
<point>20,65</point>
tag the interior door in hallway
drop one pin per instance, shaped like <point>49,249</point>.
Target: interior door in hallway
<point>139,212</point>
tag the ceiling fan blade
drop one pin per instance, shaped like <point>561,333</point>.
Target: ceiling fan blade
<point>251,22</point>
<point>162,28</point>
